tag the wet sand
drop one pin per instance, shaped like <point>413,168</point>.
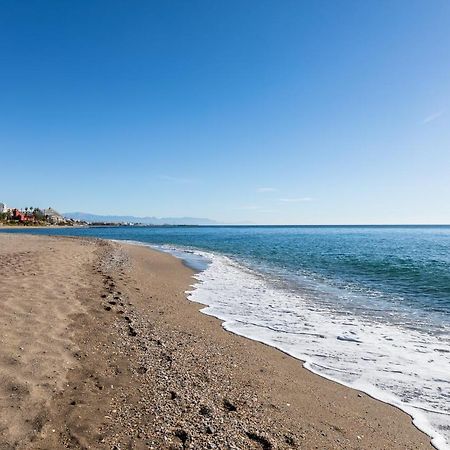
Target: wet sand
<point>100,349</point>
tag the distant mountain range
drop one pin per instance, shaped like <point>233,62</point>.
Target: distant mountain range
<point>144,220</point>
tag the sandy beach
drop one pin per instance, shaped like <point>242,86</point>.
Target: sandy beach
<point>101,350</point>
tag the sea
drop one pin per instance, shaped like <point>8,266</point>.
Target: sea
<point>365,306</point>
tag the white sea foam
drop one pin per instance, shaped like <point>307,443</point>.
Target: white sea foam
<point>406,368</point>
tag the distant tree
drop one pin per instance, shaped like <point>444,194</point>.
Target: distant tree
<point>38,214</point>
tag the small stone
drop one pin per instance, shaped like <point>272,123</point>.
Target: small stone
<point>141,370</point>
<point>228,405</point>
<point>182,435</point>
<point>205,411</point>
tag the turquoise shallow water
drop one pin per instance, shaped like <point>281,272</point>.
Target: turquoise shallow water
<point>365,306</point>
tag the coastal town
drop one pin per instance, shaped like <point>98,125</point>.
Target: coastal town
<point>33,216</point>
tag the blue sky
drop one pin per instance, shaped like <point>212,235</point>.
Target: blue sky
<point>263,111</point>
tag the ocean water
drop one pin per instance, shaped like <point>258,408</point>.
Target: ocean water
<point>368,307</point>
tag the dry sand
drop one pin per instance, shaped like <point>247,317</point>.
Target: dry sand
<point>100,349</point>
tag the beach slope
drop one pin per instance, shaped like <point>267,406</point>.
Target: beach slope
<point>100,349</point>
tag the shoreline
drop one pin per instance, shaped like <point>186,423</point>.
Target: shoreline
<point>177,377</point>
<point>38,227</point>
<point>418,419</point>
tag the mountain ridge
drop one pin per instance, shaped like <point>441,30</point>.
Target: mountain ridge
<point>148,220</point>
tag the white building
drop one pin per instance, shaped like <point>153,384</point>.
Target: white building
<point>53,216</point>
<point>3,208</point>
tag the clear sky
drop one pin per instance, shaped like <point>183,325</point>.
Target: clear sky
<point>265,111</point>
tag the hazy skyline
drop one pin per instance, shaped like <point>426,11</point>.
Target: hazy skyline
<point>270,112</point>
